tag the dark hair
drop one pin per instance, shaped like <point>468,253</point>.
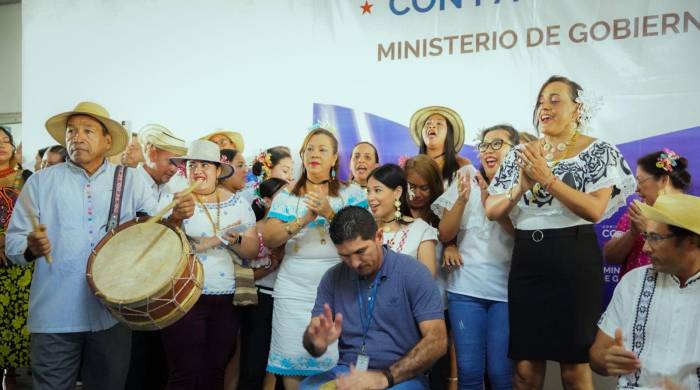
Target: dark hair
<point>58,149</point>
<point>267,189</point>
<point>228,154</point>
<point>42,151</point>
<point>334,183</point>
<point>8,133</point>
<point>574,87</point>
<point>277,154</point>
<point>450,154</point>
<point>428,169</point>
<point>513,137</point>
<point>392,176</point>
<point>352,222</point>
<point>681,234</point>
<point>679,176</point>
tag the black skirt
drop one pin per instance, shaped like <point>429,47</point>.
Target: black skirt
<point>555,294</point>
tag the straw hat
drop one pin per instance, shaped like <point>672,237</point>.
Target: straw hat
<point>418,121</point>
<point>680,210</point>
<point>56,125</point>
<point>203,150</point>
<point>235,137</point>
<point>162,138</point>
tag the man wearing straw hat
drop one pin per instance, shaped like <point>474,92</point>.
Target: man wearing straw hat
<point>70,328</point>
<point>148,367</point>
<point>649,335</point>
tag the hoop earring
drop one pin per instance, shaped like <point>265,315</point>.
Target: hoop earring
<point>397,206</point>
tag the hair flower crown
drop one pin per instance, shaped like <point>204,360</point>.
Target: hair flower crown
<point>667,160</point>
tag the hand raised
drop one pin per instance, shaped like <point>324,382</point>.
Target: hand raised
<point>323,330</point>
<point>618,360</point>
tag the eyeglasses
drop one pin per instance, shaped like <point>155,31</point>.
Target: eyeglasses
<point>640,181</point>
<point>654,238</point>
<point>494,145</point>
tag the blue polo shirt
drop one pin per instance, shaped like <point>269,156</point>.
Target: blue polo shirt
<point>406,296</point>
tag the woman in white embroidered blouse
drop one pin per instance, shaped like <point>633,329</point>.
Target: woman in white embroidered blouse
<point>477,285</point>
<point>386,194</point>
<point>298,219</point>
<point>199,345</point>
<point>554,189</point>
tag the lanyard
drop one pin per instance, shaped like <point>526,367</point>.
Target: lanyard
<point>372,299</point>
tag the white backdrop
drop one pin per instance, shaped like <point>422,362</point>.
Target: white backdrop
<point>258,66</point>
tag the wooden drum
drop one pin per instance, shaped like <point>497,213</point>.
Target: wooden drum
<point>146,274</point>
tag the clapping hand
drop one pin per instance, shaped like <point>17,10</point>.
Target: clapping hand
<point>637,220</point>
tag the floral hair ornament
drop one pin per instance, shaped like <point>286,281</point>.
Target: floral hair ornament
<point>667,160</point>
<point>402,161</point>
<point>265,159</point>
<point>589,105</point>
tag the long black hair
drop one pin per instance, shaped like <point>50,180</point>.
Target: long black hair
<point>267,189</point>
<point>392,176</point>
<point>450,154</point>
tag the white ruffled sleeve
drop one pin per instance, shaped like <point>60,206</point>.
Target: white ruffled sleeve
<point>283,207</point>
<point>606,167</point>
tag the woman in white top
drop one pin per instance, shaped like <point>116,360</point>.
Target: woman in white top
<point>477,285</point>
<point>554,190</point>
<point>199,345</point>
<point>298,219</point>
<point>386,194</point>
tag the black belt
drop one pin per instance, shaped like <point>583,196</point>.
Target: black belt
<point>541,234</point>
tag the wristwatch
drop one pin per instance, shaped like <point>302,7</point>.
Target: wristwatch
<point>389,377</point>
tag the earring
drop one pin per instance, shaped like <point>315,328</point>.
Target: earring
<point>333,174</point>
<point>573,125</point>
<point>397,205</point>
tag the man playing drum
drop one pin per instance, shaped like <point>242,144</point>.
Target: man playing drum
<point>70,329</point>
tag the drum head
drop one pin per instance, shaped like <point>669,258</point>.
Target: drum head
<point>123,274</point>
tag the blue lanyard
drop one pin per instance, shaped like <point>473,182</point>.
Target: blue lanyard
<point>372,299</point>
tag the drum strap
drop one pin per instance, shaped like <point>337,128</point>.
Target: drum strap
<point>115,206</point>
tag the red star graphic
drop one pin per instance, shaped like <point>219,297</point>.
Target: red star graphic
<point>366,7</point>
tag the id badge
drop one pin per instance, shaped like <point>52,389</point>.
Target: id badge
<point>362,363</point>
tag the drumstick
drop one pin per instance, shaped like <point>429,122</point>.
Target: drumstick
<point>172,204</point>
<point>158,217</point>
<point>35,221</point>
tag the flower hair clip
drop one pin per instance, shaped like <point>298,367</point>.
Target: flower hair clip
<point>265,159</point>
<point>589,105</point>
<point>667,160</point>
<point>402,161</point>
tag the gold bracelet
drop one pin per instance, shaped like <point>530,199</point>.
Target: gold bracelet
<point>330,218</point>
<point>288,227</point>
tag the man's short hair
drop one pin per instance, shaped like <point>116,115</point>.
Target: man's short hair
<point>60,150</point>
<point>352,222</point>
<point>41,152</point>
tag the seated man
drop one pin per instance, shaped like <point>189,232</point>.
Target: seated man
<point>388,312</point>
<point>649,336</point>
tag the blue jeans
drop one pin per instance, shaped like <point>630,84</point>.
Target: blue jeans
<point>314,382</point>
<point>480,329</point>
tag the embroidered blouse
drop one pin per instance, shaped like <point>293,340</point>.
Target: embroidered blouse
<point>599,165</point>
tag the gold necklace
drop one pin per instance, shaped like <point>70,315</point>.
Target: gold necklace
<point>215,226</point>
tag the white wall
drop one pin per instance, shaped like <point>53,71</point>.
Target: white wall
<point>10,58</point>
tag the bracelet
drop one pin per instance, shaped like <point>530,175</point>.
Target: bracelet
<point>330,218</point>
<point>389,377</point>
<point>550,184</point>
<point>288,228</point>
